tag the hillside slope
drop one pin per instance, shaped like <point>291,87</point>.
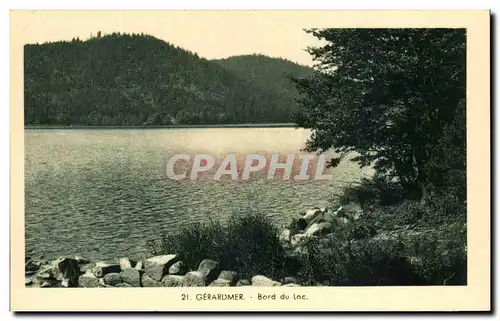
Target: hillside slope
<point>122,79</point>
<point>270,74</point>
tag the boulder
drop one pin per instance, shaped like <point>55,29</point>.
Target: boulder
<point>321,228</point>
<point>102,284</point>
<point>28,281</point>
<point>285,236</point>
<point>291,284</point>
<point>87,267</point>
<point>123,285</point>
<point>67,270</point>
<point>261,280</point>
<point>172,281</point>
<point>139,266</point>
<point>148,282</point>
<point>126,263</point>
<point>300,251</point>
<point>297,239</point>
<point>220,283</point>
<point>82,260</point>
<point>62,270</point>
<point>112,278</point>
<point>353,210</point>
<point>47,273</point>
<point>313,214</point>
<point>88,280</point>
<point>178,268</point>
<point>131,276</point>
<point>243,282</point>
<point>46,284</point>
<point>193,279</point>
<point>301,224</point>
<point>209,269</point>
<point>31,267</point>
<point>102,268</point>
<point>231,276</point>
<point>156,267</point>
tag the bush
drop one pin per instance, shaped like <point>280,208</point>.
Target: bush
<point>248,244</point>
<point>377,190</point>
<point>356,263</point>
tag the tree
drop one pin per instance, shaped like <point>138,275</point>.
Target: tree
<point>388,95</point>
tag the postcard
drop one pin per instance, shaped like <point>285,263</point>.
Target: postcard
<point>250,161</point>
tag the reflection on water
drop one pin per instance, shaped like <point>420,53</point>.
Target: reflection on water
<point>103,193</point>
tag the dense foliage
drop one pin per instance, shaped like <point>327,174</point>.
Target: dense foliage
<point>272,75</point>
<point>248,244</point>
<point>394,96</point>
<point>122,79</point>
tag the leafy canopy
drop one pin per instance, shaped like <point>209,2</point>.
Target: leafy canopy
<point>394,96</point>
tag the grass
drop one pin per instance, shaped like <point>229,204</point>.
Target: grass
<point>248,244</point>
<point>397,241</point>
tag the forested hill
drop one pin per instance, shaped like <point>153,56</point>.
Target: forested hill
<point>122,79</point>
<point>270,74</point>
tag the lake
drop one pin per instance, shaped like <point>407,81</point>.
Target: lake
<point>102,193</point>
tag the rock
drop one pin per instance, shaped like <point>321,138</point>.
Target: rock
<point>81,260</point>
<point>220,283</point>
<point>209,269</point>
<point>156,267</point>
<point>285,236</point>
<point>231,276</point>
<point>194,278</point>
<point>312,214</point>
<point>88,280</point>
<point>112,279</point>
<point>131,276</point>
<point>301,224</point>
<point>139,266</point>
<point>177,268</point>
<point>32,266</point>
<point>172,280</point>
<point>101,269</point>
<point>46,273</point>
<point>28,281</point>
<point>243,282</point>
<point>46,284</point>
<point>261,280</point>
<point>104,285</point>
<point>67,270</point>
<point>353,210</point>
<point>289,279</point>
<point>126,263</point>
<point>300,251</point>
<point>148,282</point>
<point>291,284</point>
<point>123,285</point>
<point>297,239</point>
<point>318,229</point>
<point>87,267</point>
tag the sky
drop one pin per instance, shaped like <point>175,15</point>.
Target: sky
<point>211,34</point>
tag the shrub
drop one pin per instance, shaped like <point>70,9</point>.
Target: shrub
<point>355,263</point>
<point>248,244</point>
<point>377,190</point>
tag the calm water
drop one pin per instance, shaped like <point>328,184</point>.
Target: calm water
<point>102,193</point>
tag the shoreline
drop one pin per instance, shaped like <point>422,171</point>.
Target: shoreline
<point>263,125</point>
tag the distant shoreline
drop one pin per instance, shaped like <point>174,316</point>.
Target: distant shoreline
<point>265,125</point>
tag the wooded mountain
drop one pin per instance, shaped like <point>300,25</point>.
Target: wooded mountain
<point>272,75</point>
<point>123,79</point>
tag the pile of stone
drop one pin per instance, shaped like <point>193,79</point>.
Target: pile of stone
<point>316,223</point>
<point>159,271</point>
